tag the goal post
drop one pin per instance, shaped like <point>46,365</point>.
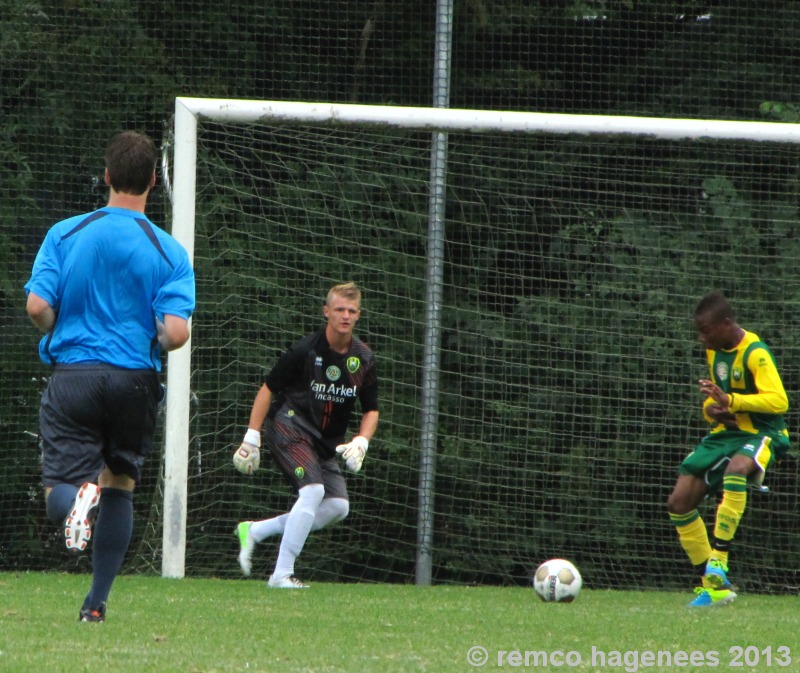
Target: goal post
<point>582,235</point>
<point>176,431</point>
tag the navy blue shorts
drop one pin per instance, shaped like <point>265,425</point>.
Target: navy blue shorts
<point>95,415</point>
<point>294,451</point>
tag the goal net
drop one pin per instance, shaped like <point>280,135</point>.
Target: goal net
<point>574,250</point>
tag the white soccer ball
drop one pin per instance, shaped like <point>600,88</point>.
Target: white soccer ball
<point>557,581</point>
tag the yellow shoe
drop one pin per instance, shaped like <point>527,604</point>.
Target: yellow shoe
<point>716,576</point>
<point>707,598</point>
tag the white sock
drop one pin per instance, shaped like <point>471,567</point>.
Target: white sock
<point>330,510</point>
<point>297,527</point>
<point>261,530</point>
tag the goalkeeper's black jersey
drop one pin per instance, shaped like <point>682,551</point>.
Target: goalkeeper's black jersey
<point>322,386</point>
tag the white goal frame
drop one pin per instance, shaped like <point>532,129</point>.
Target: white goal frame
<point>188,111</point>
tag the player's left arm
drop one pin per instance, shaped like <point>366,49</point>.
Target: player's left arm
<point>369,425</point>
<point>771,397</point>
<point>368,397</point>
<point>175,300</point>
<point>354,451</point>
<point>173,332</point>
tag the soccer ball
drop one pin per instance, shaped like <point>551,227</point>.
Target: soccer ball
<point>557,581</point>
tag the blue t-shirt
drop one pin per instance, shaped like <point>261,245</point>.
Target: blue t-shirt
<point>108,275</point>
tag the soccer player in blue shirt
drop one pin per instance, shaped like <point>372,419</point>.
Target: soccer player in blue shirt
<point>112,292</point>
<point>308,399</point>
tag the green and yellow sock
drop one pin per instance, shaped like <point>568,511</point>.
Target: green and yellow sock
<point>729,514</point>
<point>693,536</point>
<point>731,509</point>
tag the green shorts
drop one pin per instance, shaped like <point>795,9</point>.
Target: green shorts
<point>711,456</point>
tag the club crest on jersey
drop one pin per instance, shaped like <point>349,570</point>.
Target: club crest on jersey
<point>299,472</point>
<point>738,374</point>
<point>353,364</point>
<point>722,371</point>
<point>333,373</point>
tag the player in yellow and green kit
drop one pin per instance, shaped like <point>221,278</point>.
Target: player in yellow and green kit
<point>744,402</point>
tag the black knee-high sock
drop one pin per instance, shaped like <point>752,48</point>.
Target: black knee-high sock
<point>60,501</point>
<point>112,535</point>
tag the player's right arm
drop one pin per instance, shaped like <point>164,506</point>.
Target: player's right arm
<point>715,413</point>
<point>247,457</point>
<point>40,312</point>
<point>42,287</point>
<point>261,406</point>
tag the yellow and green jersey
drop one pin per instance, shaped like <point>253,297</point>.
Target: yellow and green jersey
<point>748,373</point>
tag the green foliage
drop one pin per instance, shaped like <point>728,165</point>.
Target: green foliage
<point>783,112</point>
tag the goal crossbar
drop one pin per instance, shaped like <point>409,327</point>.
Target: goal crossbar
<point>449,119</point>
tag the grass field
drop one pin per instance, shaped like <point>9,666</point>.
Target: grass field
<point>156,625</point>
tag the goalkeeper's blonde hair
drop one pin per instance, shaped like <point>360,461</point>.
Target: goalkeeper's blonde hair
<point>347,290</point>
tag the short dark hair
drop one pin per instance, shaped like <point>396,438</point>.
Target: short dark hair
<point>716,306</point>
<point>131,159</point>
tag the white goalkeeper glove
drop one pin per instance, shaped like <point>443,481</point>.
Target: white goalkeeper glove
<point>247,457</point>
<point>354,452</point>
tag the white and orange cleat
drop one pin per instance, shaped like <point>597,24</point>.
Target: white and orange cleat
<point>78,525</point>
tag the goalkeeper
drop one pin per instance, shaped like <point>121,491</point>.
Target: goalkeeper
<point>744,402</point>
<point>307,400</point>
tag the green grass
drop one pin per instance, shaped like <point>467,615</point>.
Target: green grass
<point>156,625</point>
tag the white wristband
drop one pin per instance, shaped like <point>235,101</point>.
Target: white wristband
<point>252,437</point>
